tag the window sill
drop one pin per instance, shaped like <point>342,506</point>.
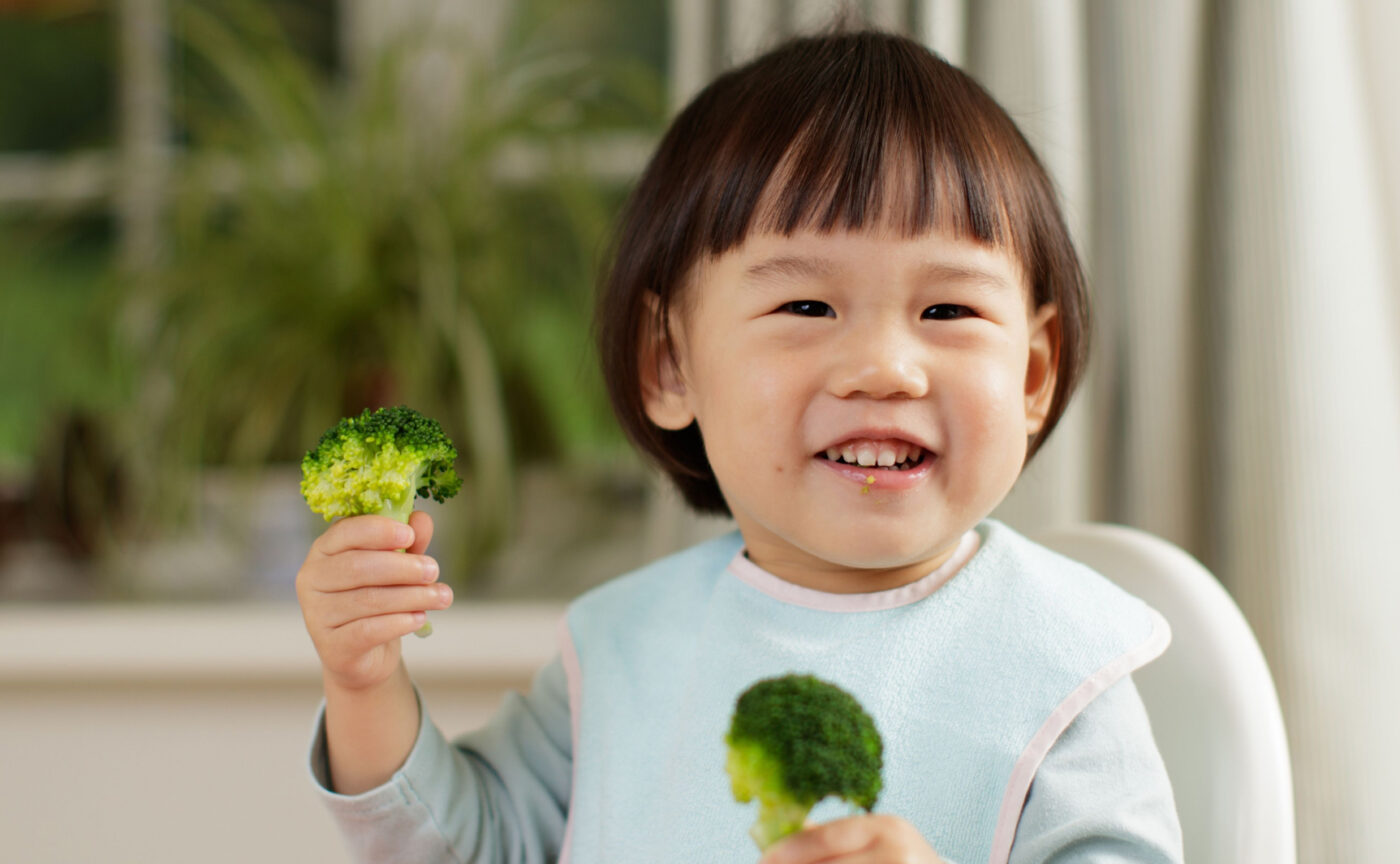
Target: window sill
<point>253,643</point>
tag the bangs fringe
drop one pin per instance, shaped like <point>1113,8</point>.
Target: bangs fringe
<point>888,140</point>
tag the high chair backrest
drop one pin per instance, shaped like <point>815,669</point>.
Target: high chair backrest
<point>1214,710</point>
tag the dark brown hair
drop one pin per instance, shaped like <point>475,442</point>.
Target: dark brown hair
<point>816,134</point>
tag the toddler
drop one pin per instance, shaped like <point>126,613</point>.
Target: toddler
<point>843,308</point>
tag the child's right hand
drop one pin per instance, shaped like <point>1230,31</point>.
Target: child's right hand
<point>359,595</point>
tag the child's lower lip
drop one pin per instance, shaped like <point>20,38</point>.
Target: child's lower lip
<point>881,478</point>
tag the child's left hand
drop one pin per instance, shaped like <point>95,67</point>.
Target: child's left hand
<point>875,838</point>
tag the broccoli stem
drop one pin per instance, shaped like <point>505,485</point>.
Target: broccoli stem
<point>777,820</point>
<point>401,510</point>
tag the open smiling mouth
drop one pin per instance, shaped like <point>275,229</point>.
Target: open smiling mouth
<point>889,457</point>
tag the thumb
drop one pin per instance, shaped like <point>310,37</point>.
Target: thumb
<point>422,525</point>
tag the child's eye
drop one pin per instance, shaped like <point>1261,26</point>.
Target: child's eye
<point>808,309</point>
<point>947,312</point>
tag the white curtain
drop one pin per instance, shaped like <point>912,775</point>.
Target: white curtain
<point>1231,198</point>
<point>1231,170</point>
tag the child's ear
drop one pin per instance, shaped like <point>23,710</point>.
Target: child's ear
<point>1042,366</point>
<point>663,385</point>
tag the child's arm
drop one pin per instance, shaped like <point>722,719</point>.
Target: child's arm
<point>369,733</point>
<point>359,596</point>
<point>398,790</point>
<point>495,795</point>
<point>1102,794</point>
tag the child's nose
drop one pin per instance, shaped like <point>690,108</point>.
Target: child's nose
<point>880,365</point>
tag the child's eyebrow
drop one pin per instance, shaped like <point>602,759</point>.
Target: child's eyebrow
<point>942,272</point>
<point>799,267</point>
<point>790,267</point>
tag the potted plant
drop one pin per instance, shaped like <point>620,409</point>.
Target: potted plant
<point>337,245</point>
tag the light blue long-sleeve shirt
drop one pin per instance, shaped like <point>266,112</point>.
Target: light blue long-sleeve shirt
<point>506,792</point>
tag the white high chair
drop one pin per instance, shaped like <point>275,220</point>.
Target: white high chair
<point>1215,713</point>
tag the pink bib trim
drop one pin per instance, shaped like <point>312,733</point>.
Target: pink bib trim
<point>761,580</point>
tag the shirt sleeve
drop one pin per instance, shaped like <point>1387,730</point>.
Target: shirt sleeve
<point>498,794</point>
<point>1102,795</point>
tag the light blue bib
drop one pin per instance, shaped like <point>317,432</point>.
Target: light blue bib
<point>968,685</point>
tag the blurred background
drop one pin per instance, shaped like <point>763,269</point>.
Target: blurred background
<point>223,225</point>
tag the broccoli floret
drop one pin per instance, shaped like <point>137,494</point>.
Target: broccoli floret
<point>377,463</point>
<point>380,462</point>
<point>795,740</point>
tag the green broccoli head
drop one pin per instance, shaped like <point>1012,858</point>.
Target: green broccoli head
<point>379,462</point>
<point>795,740</point>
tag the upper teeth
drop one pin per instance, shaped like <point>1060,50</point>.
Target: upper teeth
<point>868,455</point>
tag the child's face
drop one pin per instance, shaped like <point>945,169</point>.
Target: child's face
<point>864,345</point>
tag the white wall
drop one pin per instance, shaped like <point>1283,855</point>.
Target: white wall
<point>180,734</point>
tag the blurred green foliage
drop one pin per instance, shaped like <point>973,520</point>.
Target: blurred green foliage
<point>334,240</point>
<point>57,73</point>
<point>340,244</point>
<point>55,352</point>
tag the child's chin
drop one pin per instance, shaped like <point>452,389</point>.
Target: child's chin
<point>878,551</point>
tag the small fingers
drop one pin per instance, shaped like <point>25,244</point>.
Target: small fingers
<point>364,532</point>
<point>871,837</point>
<point>362,635</point>
<point>360,568</point>
<point>345,608</point>
<point>819,843</point>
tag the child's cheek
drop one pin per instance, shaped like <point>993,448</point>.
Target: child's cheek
<point>989,404</point>
<point>761,391</point>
